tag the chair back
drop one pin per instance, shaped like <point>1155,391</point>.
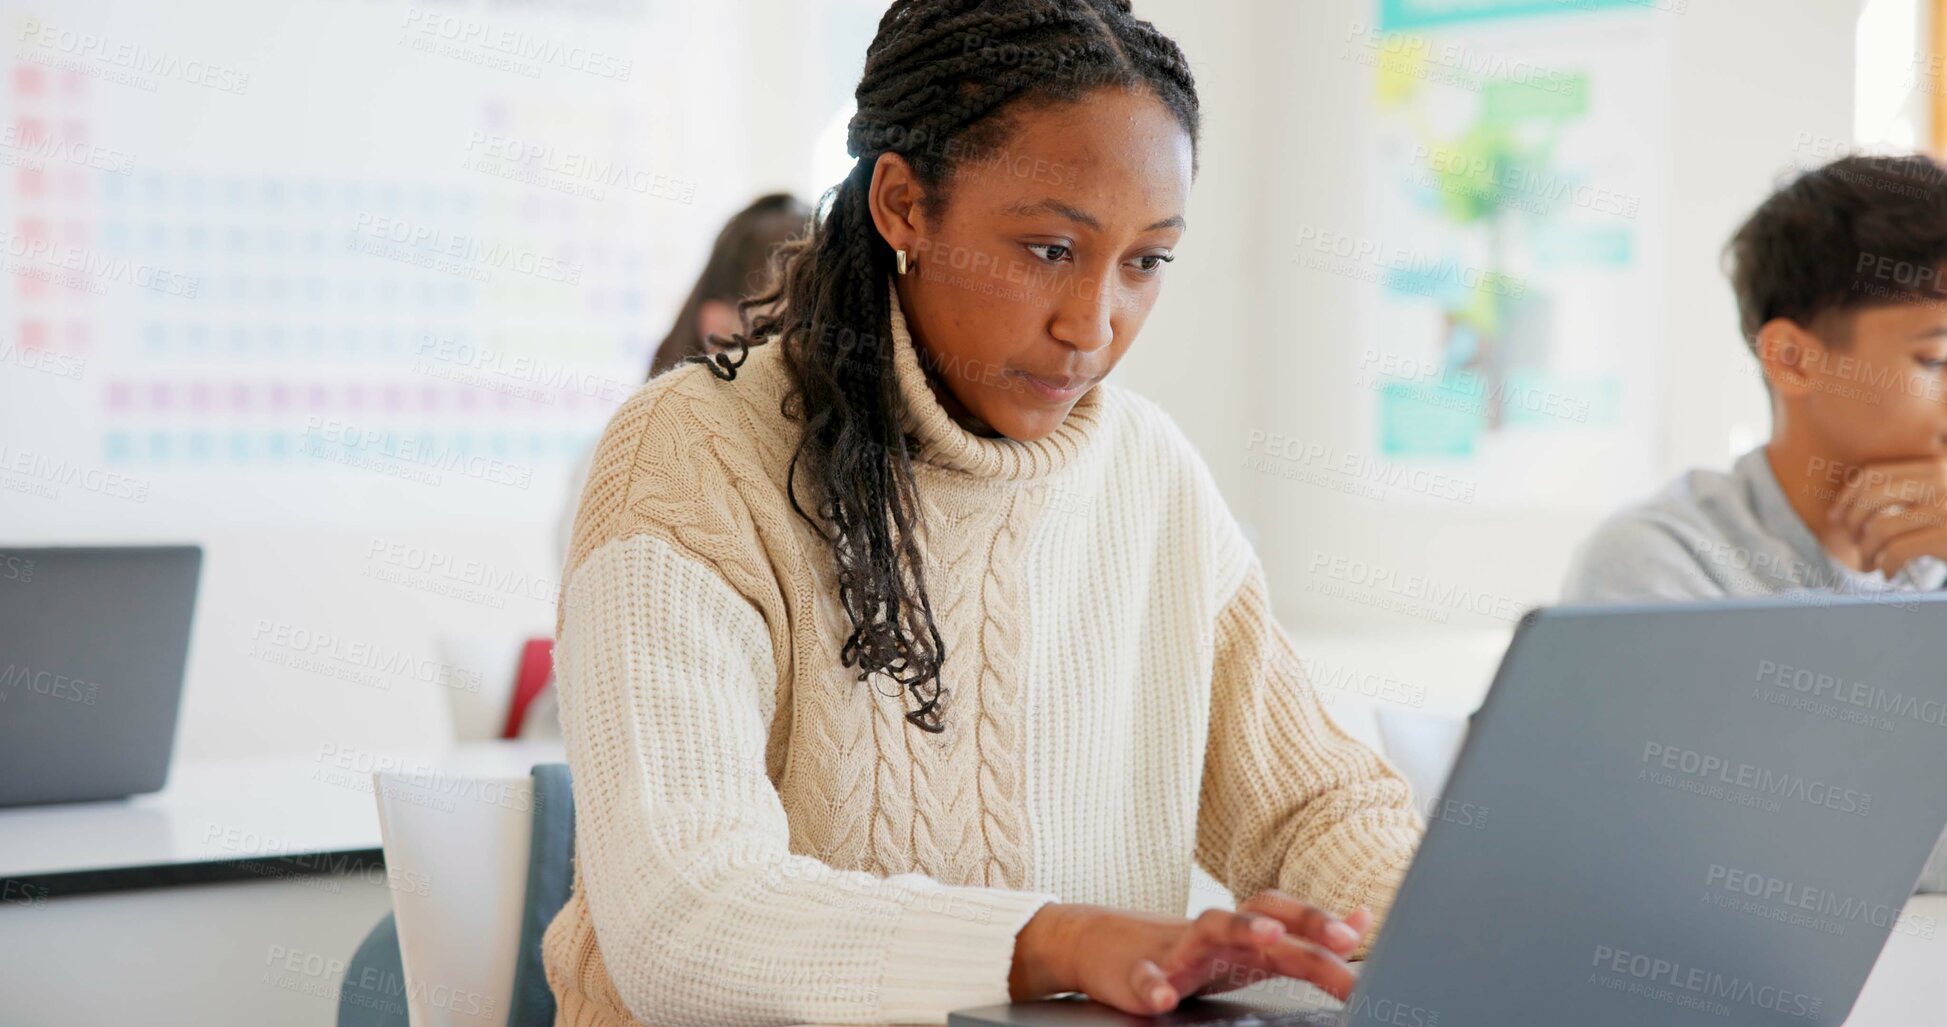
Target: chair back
<point>456,853</point>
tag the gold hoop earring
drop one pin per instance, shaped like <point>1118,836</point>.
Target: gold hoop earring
<point>899,260</point>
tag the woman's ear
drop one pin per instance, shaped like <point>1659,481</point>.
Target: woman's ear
<point>893,198</point>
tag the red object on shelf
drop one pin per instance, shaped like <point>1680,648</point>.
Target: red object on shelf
<point>537,666</point>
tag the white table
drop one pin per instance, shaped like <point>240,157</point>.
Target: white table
<point>229,819</point>
<point>1906,988</point>
<point>163,921</point>
<point>233,896</point>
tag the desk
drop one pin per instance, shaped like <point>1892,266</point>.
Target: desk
<point>228,820</point>
<point>234,895</point>
<point>1905,989</point>
<point>165,922</point>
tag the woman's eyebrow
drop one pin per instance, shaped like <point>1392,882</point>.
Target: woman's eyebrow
<point>1022,208</point>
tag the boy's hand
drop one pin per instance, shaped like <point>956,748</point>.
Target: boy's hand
<point>1895,512</point>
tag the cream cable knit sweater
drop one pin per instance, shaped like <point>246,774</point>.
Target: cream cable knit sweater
<point>763,840</point>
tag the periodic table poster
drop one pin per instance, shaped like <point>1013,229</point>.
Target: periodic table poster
<point>275,259</point>
<point>342,290</point>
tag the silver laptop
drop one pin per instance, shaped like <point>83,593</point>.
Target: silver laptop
<point>1679,814</point>
<point>92,646</point>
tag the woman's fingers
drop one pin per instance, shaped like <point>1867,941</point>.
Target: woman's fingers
<point>1359,920</point>
<point>1309,961</point>
<point>1273,933</point>
<point>1286,957</point>
<point>1152,987</point>
<point>1217,929</point>
<point>1305,920</point>
<point>1217,934</point>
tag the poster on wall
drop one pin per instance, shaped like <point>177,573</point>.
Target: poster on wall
<point>1515,190</point>
<point>304,263</point>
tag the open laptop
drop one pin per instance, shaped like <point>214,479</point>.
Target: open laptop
<point>92,648</point>
<point>1679,814</point>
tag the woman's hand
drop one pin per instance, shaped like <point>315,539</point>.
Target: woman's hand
<point>1145,964</point>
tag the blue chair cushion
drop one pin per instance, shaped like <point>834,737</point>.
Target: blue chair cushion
<point>373,993</point>
<point>550,877</point>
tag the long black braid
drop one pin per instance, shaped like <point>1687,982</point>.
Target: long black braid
<point>942,80</point>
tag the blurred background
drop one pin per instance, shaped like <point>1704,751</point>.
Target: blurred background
<point>342,290</point>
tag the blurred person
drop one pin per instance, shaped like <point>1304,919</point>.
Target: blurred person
<point>1838,277</point>
<point>738,267</point>
<point>905,664</point>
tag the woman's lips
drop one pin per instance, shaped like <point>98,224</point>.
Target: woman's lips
<point>1053,389</point>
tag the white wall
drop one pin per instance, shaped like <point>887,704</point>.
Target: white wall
<point>1196,352</point>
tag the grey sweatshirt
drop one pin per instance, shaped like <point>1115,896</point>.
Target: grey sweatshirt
<point>1712,535</point>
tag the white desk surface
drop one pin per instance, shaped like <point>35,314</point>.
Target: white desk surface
<point>1905,988</point>
<point>221,811</point>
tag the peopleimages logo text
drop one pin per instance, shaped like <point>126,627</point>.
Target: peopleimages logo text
<point>1705,983</point>
<point>1819,684</point>
<point>1818,901</point>
<point>1705,767</point>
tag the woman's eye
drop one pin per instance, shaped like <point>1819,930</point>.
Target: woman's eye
<point>1062,251</point>
<point>1933,364</point>
<point>1151,263</point>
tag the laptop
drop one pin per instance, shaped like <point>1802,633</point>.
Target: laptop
<point>1679,814</point>
<point>92,649</point>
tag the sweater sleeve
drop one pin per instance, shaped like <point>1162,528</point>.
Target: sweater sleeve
<point>703,914</point>
<point>1289,799</point>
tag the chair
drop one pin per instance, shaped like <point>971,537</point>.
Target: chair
<point>536,670</point>
<point>503,676</point>
<point>477,867</point>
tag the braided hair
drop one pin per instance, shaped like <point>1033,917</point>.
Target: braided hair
<point>943,82</point>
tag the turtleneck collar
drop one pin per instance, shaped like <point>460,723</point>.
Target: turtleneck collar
<point>944,443</point>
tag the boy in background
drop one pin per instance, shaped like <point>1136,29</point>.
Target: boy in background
<point>1841,297</point>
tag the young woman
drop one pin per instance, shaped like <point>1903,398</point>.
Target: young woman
<point>904,664</point>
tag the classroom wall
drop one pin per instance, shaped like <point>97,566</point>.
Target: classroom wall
<point>343,604</point>
<point>1746,80</point>
<point>1243,341</point>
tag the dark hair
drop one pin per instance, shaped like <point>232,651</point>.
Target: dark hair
<point>739,267</point>
<point>943,82</point>
<point>1862,231</point>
